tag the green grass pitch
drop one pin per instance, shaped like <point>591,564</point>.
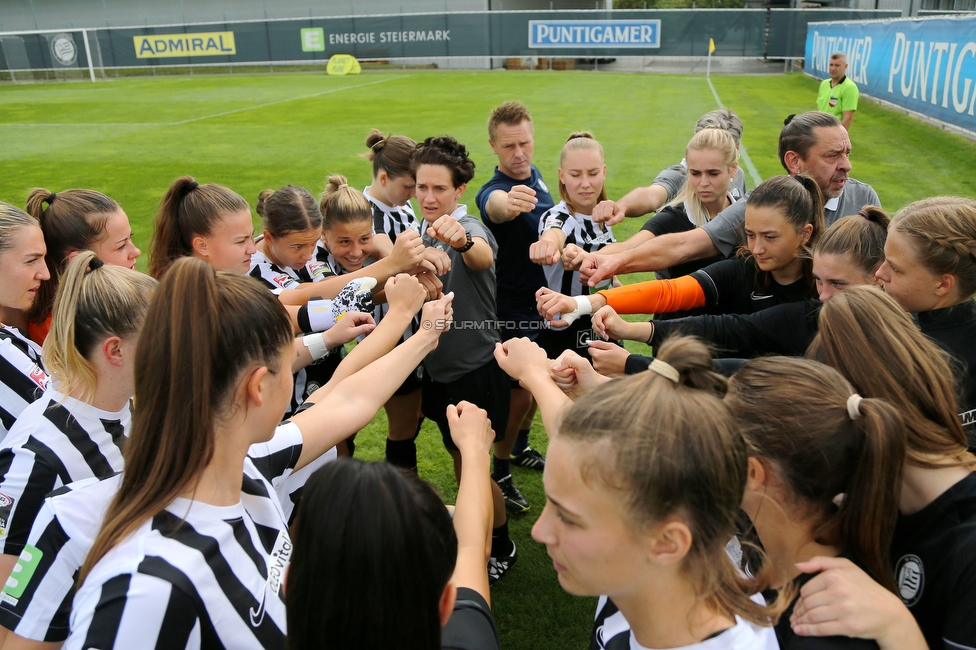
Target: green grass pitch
<point>130,138</point>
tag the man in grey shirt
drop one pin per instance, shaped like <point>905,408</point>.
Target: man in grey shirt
<point>812,143</point>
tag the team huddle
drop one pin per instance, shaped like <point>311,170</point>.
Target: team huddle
<point>791,469</point>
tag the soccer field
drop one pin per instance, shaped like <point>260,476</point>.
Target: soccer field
<point>129,138</point>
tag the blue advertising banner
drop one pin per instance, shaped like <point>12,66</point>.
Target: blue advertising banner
<point>925,65</point>
<point>595,33</point>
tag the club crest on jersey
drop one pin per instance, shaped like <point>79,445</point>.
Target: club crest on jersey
<point>38,376</point>
<point>6,504</point>
<point>281,280</point>
<point>543,185</point>
<point>317,269</point>
<point>910,576</point>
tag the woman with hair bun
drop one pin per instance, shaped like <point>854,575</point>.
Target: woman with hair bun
<point>644,478</point>
<point>78,427</point>
<point>930,269</point>
<point>389,193</point>
<point>784,220</point>
<point>77,220</point>
<point>22,251</point>
<point>847,255</point>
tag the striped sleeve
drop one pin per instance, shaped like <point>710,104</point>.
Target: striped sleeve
<point>36,601</point>
<point>276,458</point>
<point>27,478</point>
<point>270,275</point>
<point>138,610</point>
<point>22,377</point>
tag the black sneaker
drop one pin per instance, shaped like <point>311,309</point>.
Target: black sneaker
<point>514,500</point>
<point>497,566</point>
<point>530,458</point>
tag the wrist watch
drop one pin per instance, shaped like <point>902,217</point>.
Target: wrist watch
<point>467,245</point>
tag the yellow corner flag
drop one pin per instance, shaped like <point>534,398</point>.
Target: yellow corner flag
<point>711,45</point>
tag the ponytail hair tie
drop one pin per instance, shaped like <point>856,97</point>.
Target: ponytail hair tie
<point>95,263</point>
<point>665,369</point>
<point>194,185</point>
<point>50,198</point>
<point>864,213</point>
<point>854,406</point>
<point>799,179</point>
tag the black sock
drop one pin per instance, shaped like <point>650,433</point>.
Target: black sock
<point>501,545</point>
<point>501,469</point>
<point>521,442</point>
<point>402,453</point>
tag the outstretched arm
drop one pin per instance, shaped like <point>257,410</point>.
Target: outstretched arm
<point>472,433</point>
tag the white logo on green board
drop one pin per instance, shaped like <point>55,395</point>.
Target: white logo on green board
<point>21,576</point>
<point>313,39</point>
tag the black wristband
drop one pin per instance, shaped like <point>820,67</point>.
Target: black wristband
<point>467,246</point>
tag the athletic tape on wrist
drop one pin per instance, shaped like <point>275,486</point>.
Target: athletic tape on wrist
<point>316,346</point>
<point>583,308</point>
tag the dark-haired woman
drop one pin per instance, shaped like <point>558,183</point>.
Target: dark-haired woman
<point>463,367</point>
<point>22,250</point>
<point>848,254</point>
<point>76,220</point>
<point>811,437</point>
<point>933,550</point>
<point>433,582</point>
<point>191,541</point>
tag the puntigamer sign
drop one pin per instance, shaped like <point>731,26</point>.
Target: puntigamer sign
<point>595,33</point>
<point>199,44</point>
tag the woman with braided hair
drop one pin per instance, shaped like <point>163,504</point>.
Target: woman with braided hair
<point>930,269</point>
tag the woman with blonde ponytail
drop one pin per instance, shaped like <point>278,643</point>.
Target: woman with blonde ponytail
<point>196,535</point>
<point>824,472</point>
<point>644,477</point>
<point>78,427</point>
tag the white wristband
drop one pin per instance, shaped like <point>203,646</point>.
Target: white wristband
<point>583,308</point>
<point>316,346</point>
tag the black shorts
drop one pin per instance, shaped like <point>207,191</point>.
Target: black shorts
<point>574,338</point>
<point>487,387</point>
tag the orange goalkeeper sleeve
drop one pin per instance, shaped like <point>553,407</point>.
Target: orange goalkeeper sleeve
<point>656,296</point>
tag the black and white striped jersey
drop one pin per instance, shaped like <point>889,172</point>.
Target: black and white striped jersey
<point>36,601</point>
<point>580,229</point>
<point>611,631</point>
<point>22,376</point>
<point>197,575</point>
<point>55,441</point>
<point>392,221</point>
<point>279,278</point>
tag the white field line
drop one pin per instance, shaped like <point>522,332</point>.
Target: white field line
<point>756,178</point>
<point>202,117</point>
